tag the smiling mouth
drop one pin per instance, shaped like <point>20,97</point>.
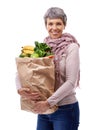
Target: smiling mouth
<point>55,33</point>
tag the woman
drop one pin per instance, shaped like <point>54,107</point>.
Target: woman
<point>67,66</point>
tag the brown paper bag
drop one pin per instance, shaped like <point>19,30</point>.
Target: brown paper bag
<point>38,75</point>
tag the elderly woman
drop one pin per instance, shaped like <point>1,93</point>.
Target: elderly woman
<point>66,50</point>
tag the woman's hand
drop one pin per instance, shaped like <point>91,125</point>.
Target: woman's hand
<point>41,107</point>
<point>26,92</point>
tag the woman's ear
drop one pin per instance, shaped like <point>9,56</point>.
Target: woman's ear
<point>64,27</point>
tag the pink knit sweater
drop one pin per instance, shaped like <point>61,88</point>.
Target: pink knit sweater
<point>68,67</point>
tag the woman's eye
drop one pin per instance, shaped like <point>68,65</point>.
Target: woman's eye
<point>50,24</point>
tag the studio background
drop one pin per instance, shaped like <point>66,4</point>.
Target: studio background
<point>21,23</point>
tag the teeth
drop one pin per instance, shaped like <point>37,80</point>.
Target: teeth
<point>54,33</point>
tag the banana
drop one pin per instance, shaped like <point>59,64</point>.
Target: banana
<point>23,55</point>
<point>28,47</point>
<point>27,51</point>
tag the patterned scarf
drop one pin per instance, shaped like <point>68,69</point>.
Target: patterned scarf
<point>58,48</point>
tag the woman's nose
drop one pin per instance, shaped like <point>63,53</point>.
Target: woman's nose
<point>54,27</point>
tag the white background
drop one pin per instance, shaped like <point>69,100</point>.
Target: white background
<point>21,23</point>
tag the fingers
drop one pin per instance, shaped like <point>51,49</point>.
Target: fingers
<point>34,96</point>
<point>21,91</point>
<point>26,92</point>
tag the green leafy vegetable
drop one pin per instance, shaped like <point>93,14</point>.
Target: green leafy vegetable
<point>42,49</point>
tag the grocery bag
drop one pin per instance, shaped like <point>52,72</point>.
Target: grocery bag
<point>38,74</point>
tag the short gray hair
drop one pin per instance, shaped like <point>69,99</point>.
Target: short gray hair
<point>55,12</point>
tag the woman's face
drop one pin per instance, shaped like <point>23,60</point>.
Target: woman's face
<point>55,27</point>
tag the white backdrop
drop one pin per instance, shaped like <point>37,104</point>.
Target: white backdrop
<point>21,23</point>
